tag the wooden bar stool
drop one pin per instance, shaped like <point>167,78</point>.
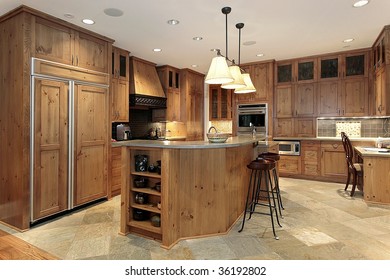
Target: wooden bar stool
<point>275,187</point>
<point>260,169</point>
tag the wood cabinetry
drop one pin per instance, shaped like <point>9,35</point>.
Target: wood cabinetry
<point>299,127</point>
<point>381,66</point>
<point>27,33</point>
<point>311,158</point>
<point>220,103</point>
<point>138,216</point>
<point>289,165</point>
<point>262,78</point>
<point>343,84</point>
<point>192,103</point>
<point>170,81</point>
<point>116,166</point>
<point>120,85</point>
<point>60,43</point>
<point>333,164</point>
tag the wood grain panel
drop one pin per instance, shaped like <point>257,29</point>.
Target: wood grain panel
<point>376,172</point>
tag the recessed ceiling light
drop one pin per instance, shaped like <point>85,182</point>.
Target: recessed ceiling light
<point>173,22</point>
<point>360,3</point>
<point>88,21</point>
<point>112,12</point>
<point>214,50</point>
<point>249,43</point>
<point>68,15</point>
<point>157,50</point>
<point>197,38</point>
<point>194,65</point>
<point>348,40</point>
<point>346,46</point>
<point>260,55</point>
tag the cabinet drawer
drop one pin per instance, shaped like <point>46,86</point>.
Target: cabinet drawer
<point>290,165</point>
<point>311,169</point>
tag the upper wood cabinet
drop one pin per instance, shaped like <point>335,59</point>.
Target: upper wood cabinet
<point>192,103</point>
<point>262,78</point>
<point>220,103</point>
<point>302,70</point>
<point>170,81</point>
<point>59,43</point>
<point>120,85</point>
<point>381,66</point>
<point>120,64</point>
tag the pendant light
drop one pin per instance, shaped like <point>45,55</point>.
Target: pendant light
<point>219,72</point>
<point>249,87</point>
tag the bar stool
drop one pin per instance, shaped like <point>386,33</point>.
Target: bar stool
<point>260,168</point>
<point>275,188</point>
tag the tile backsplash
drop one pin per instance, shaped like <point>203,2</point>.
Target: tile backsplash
<point>354,127</point>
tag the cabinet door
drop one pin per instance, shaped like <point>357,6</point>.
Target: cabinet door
<point>91,53</point>
<point>194,106</point>
<point>305,100</point>
<point>355,97</point>
<point>53,42</point>
<point>284,127</point>
<point>120,64</point>
<point>328,98</point>
<point>284,72</point>
<point>120,100</point>
<point>329,67</point>
<point>306,70</point>
<point>284,101</point>
<point>116,167</point>
<point>305,127</point>
<point>173,105</point>
<point>91,143</point>
<point>289,165</point>
<point>355,65</point>
<point>50,194</point>
<point>333,163</point>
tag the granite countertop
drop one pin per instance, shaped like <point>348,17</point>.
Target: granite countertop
<point>231,142</point>
<point>373,152</point>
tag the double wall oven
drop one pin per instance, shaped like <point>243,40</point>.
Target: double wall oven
<point>252,116</point>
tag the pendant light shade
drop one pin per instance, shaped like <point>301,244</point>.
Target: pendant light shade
<point>249,85</point>
<point>238,81</point>
<point>219,72</point>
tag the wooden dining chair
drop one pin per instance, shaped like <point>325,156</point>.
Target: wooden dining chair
<point>354,169</point>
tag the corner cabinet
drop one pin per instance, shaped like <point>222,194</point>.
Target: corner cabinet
<point>170,81</point>
<point>141,205</point>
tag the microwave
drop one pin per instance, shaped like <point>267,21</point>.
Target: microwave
<point>292,148</point>
<point>252,116</point>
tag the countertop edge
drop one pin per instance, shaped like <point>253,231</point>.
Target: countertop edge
<point>231,142</point>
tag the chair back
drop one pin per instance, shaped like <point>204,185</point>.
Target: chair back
<point>348,149</point>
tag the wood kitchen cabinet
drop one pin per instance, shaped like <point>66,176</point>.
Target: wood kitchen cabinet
<point>192,103</point>
<point>302,70</point>
<point>262,78</point>
<point>60,43</point>
<point>116,170</point>
<point>170,81</point>
<point>289,165</point>
<point>381,66</point>
<point>38,144</point>
<point>120,85</point>
<point>333,163</point>
<point>343,84</point>
<point>220,103</point>
<point>311,158</point>
<point>291,127</point>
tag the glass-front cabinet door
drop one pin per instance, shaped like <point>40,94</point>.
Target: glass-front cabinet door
<point>355,65</point>
<point>284,73</point>
<point>329,67</point>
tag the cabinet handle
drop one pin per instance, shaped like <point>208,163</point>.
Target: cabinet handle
<point>77,60</point>
<point>72,59</point>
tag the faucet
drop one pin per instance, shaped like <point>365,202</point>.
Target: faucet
<point>253,131</point>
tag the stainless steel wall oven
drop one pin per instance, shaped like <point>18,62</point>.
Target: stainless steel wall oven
<point>252,116</point>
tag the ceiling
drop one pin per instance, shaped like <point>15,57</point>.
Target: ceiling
<point>280,29</point>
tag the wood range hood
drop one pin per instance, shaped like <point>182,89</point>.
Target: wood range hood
<point>145,87</point>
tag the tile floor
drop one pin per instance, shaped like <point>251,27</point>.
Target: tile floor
<point>320,222</point>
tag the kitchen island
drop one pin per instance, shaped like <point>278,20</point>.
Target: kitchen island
<point>202,191</point>
<point>376,174</point>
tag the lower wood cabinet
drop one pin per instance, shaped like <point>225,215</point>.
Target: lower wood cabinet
<point>333,163</point>
<point>289,165</point>
<point>311,158</point>
<point>116,171</point>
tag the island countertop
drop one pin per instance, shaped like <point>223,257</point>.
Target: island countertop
<point>235,141</point>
